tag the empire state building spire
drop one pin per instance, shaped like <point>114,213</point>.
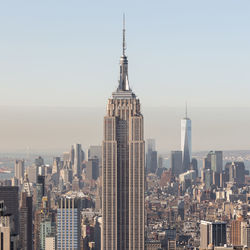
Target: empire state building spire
<point>123,82</point>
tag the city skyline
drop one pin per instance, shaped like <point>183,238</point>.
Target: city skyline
<point>118,175</point>
<point>213,128</point>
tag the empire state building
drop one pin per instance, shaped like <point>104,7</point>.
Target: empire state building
<point>123,168</point>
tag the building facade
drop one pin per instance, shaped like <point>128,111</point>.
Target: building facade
<point>186,143</point>
<point>123,168</point>
<point>176,162</point>
<point>68,224</point>
<point>19,170</point>
<point>9,195</point>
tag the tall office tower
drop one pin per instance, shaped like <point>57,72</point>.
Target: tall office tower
<point>212,233</point>
<point>72,154</point>
<point>176,162</point>
<point>235,172</point>
<point>151,159</point>
<point>47,224</point>
<point>194,166</point>
<point>207,178</point>
<point>56,165</point>
<point>19,170</point>
<point>32,172</point>
<point>26,216</point>
<point>245,234</point>
<point>77,166</point>
<point>214,161</point>
<point>26,221</point>
<point>236,232</point>
<point>68,224</point>
<point>8,239</point>
<point>150,144</point>
<point>9,195</point>
<point>95,151</point>
<point>186,146</point>
<point>39,161</point>
<point>123,168</point>
<point>50,243</point>
<point>40,190</point>
<point>151,156</point>
<point>92,169</point>
<point>218,162</point>
<point>44,224</point>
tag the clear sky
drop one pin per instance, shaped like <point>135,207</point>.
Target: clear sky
<point>66,54</point>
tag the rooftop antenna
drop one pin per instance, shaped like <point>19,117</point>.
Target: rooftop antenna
<point>123,42</point>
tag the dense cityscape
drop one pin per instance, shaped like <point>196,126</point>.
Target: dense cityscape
<point>124,193</point>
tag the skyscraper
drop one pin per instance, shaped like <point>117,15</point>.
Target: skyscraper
<point>214,161</point>
<point>212,233</point>
<point>19,170</point>
<point>123,168</point>
<point>26,221</point>
<point>8,239</point>
<point>78,158</point>
<point>40,190</point>
<point>10,197</point>
<point>176,162</point>
<point>186,146</point>
<point>92,169</point>
<point>68,224</point>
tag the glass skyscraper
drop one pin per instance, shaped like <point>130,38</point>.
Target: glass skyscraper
<point>186,143</point>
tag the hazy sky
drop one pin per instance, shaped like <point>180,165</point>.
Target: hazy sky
<point>66,54</point>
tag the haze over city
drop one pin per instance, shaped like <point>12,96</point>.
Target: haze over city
<point>58,59</point>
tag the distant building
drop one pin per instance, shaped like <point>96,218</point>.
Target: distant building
<point>245,234</point>
<point>151,161</point>
<point>207,178</point>
<point>95,152</point>
<point>39,161</point>
<point>68,224</point>
<point>50,243</point>
<point>26,221</point>
<point>214,161</point>
<point>236,231</point>
<point>194,166</point>
<point>150,144</point>
<point>32,172</point>
<point>212,233</point>
<point>19,170</point>
<point>235,172</point>
<point>176,162</point>
<point>8,239</point>
<point>47,228</point>
<point>153,245</point>
<point>151,156</point>
<point>40,190</point>
<point>56,165</point>
<point>92,169</point>
<point>78,158</point>
<point>9,195</point>
<point>186,143</point>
